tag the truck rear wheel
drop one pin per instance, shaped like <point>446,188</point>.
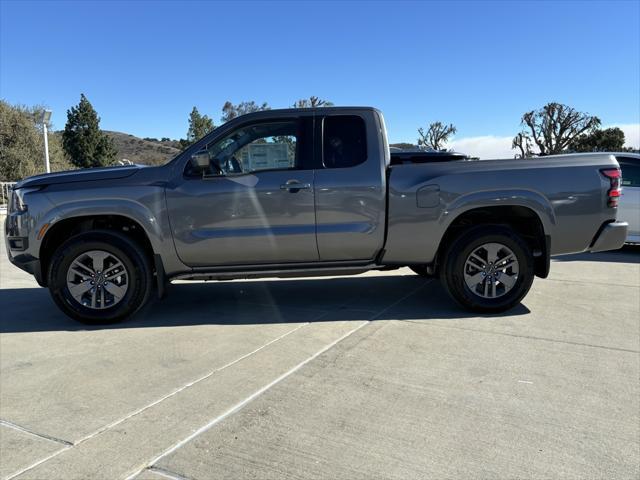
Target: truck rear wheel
<point>488,269</point>
<point>100,277</point>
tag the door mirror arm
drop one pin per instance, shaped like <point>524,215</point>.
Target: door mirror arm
<point>200,161</point>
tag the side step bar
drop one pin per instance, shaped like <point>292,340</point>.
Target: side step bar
<point>281,272</point>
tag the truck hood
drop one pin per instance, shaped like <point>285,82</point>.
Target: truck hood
<point>83,175</point>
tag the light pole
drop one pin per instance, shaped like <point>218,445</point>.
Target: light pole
<point>46,116</point>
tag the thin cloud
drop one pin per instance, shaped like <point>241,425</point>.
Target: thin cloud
<point>491,146</point>
<point>484,147</point>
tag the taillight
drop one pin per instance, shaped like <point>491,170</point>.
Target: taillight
<point>615,185</point>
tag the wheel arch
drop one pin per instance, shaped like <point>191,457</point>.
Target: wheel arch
<point>523,219</point>
<point>68,227</point>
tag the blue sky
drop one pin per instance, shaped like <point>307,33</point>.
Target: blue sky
<point>480,65</point>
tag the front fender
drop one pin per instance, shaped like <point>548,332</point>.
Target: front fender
<point>147,219</point>
<point>144,205</point>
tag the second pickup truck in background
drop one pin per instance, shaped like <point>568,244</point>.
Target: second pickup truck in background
<point>307,192</point>
<point>629,208</point>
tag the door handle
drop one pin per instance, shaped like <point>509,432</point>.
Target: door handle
<point>295,185</point>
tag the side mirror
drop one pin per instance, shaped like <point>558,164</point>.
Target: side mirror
<point>200,161</point>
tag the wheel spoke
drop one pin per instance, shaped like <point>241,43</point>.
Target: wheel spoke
<point>492,251</point>
<point>508,280</point>
<point>97,257</point>
<point>77,265</point>
<point>506,261</point>
<point>474,279</point>
<point>109,272</point>
<point>115,290</point>
<point>481,261</point>
<point>93,297</point>
<point>82,275</point>
<point>79,289</point>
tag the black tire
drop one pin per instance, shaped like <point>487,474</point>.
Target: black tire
<point>136,263</point>
<point>452,270</point>
<point>422,271</point>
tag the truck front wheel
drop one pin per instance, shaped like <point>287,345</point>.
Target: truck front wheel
<point>488,269</point>
<point>100,277</point>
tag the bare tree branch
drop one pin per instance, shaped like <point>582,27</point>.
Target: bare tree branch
<point>312,102</point>
<point>437,135</point>
<point>553,128</point>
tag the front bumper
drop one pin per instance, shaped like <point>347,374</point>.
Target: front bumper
<point>16,238</point>
<point>611,237</point>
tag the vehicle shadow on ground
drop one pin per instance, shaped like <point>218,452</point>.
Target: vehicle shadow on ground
<point>392,297</point>
<point>627,254</point>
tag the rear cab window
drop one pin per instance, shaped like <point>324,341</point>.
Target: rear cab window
<point>344,142</point>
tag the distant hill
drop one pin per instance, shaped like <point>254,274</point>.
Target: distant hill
<point>139,150</point>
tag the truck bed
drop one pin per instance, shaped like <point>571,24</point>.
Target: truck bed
<point>567,192</point>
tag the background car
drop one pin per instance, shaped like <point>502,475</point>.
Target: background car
<point>629,206</point>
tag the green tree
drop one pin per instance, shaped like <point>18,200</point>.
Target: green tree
<point>84,142</point>
<point>22,143</point>
<point>551,129</point>
<point>199,126</point>
<point>231,111</point>
<point>312,102</point>
<point>436,135</point>
<point>607,140</point>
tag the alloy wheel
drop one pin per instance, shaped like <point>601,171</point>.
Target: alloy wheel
<point>491,270</point>
<point>97,279</point>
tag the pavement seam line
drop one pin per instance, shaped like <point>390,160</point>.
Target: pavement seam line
<point>42,436</point>
<point>167,473</point>
<point>156,402</point>
<point>238,406</point>
<point>39,462</point>
<point>187,385</point>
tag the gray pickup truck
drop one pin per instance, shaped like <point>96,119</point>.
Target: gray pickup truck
<point>307,192</point>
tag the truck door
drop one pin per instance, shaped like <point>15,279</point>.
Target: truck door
<point>255,205</point>
<point>350,187</point>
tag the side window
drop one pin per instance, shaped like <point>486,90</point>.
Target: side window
<point>252,148</point>
<point>344,141</point>
<point>630,173</point>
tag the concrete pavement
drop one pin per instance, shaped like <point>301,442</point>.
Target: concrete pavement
<point>378,375</point>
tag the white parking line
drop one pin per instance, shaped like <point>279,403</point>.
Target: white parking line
<point>238,406</point>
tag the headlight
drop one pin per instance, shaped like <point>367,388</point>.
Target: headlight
<point>17,203</point>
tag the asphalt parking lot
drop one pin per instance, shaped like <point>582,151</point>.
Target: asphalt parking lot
<point>373,376</point>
